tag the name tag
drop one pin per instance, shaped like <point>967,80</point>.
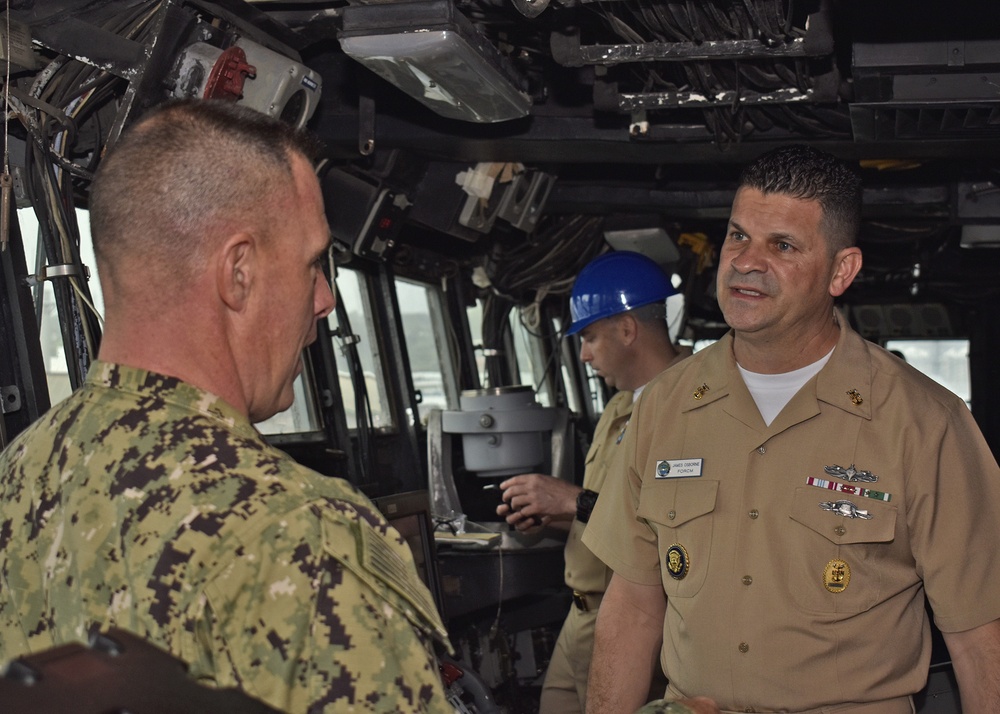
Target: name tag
<point>678,468</point>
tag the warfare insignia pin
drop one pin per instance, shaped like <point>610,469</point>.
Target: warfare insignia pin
<point>851,473</point>
<point>846,509</point>
<point>836,576</point>
<point>677,561</point>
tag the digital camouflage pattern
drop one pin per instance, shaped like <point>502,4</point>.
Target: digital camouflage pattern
<point>144,503</point>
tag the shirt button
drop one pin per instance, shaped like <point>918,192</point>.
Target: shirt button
<point>672,515</point>
<point>747,580</point>
<point>761,449</point>
<point>754,513</point>
<point>744,647</point>
<point>750,709</point>
<point>840,530</point>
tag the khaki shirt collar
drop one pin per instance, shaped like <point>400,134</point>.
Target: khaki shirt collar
<point>847,377</point>
<point>848,371</point>
<point>712,381</point>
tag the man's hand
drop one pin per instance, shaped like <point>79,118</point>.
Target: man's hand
<point>536,499</point>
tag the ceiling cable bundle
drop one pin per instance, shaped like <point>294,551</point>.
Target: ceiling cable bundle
<point>65,115</point>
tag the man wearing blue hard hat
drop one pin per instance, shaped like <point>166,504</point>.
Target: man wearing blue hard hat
<point>618,309</point>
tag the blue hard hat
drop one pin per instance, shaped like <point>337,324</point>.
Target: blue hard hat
<point>613,283</point>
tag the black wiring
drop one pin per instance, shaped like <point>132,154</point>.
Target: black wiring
<point>58,170</point>
<point>772,22</point>
<point>364,424</point>
<point>550,259</point>
<point>530,275</point>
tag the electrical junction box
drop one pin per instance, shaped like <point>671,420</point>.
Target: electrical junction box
<point>363,215</point>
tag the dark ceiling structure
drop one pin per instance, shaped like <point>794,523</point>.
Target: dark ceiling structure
<point>457,129</point>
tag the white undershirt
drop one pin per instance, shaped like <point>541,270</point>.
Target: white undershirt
<point>772,392</point>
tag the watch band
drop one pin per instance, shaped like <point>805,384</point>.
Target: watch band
<point>585,501</point>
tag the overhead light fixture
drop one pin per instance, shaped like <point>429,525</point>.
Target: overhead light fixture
<point>435,54</point>
<point>641,233</point>
<point>980,236</point>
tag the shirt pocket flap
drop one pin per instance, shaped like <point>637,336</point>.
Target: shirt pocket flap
<point>880,528</point>
<point>674,502</point>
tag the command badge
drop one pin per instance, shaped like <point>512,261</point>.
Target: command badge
<point>836,576</point>
<point>677,561</point>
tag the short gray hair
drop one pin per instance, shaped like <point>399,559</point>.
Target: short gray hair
<point>185,170</point>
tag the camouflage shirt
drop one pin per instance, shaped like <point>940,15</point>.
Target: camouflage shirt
<point>144,503</point>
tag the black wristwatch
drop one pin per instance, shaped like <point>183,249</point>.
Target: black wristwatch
<point>585,501</point>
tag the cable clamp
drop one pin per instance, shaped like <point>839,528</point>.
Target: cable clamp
<point>64,270</point>
<point>346,339</point>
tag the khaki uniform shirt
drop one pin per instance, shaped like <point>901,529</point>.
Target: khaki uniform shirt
<point>774,602</point>
<point>144,503</point>
<point>585,572</point>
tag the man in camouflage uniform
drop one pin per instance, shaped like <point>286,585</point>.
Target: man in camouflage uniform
<point>148,501</point>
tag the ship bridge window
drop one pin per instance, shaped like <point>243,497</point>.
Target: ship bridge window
<point>530,351</point>
<point>429,346</point>
<point>944,361</point>
<point>567,362</point>
<point>596,389</point>
<point>49,330</point>
<point>353,295</point>
<point>474,314</point>
<point>530,358</point>
<point>300,417</point>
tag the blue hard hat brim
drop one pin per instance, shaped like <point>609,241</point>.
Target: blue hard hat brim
<point>614,283</point>
<point>604,314</point>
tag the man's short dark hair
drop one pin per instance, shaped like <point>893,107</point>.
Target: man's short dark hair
<point>807,173</point>
<point>654,313</point>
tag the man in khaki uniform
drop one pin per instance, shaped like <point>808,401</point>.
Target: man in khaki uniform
<point>147,500</point>
<point>618,308</point>
<point>793,492</point>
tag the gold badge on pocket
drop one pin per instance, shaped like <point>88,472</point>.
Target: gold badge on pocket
<point>836,576</point>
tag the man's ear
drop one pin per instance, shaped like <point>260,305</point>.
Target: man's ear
<point>235,270</point>
<point>847,264</point>
<point>628,328</point>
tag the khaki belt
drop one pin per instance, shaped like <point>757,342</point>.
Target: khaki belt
<point>587,602</point>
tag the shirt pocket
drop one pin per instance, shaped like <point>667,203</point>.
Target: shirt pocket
<point>680,511</point>
<point>603,457</point>
<point>836,564</point>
